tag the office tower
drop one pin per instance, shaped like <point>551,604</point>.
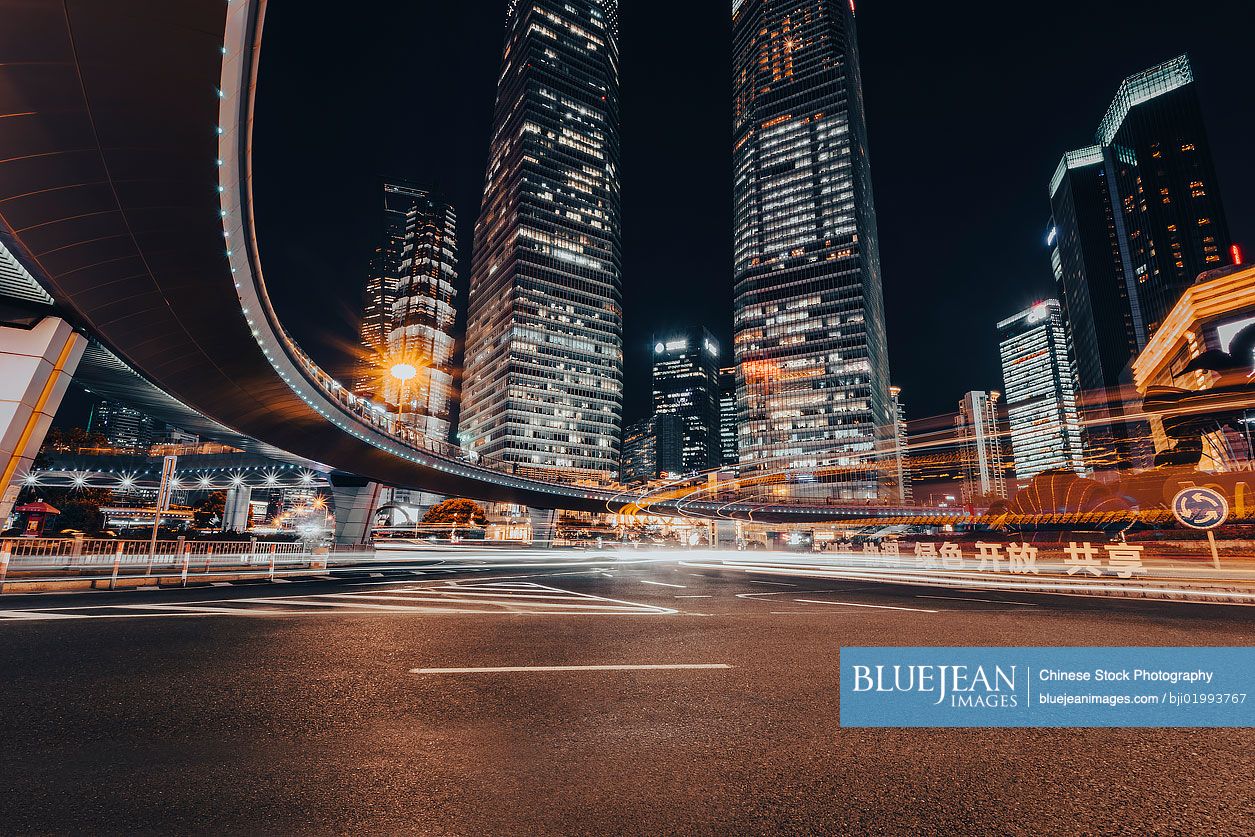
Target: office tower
<point>1099,248</point>
<point>652,448</point>
<point>727,416</point>
<point>1156,118</point>
<point>543,384</point>
<point>125,428</point>
<point>1041,400</point>
<point>409,315</point>
<point>809,318</point>
<point>686,384</point>
<point>899,460</point>
<point>980,447</point>
<point>1137,217</point>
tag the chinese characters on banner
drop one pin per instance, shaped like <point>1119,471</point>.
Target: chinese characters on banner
<point>1118,559</point>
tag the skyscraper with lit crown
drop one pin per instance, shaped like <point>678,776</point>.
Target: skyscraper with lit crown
<point>543,379</point>
<point>809,316</point>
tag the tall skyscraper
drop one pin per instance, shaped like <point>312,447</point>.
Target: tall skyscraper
<point>809,316</point>
<point>899,460</point>
<point>980,447</point>
<point>1041,400</point>
<point>1156,117</point>
<point>652,448</point>
<point>686,384</point>
<point>543,383</point>
<point>409,315</point>
<point>727,416</point>
<point>1136,218</point>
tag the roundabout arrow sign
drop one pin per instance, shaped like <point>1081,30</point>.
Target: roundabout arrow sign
<point>1202,508</point>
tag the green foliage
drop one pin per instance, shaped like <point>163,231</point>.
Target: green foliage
<point>209,510</point>
<point>456,510</point>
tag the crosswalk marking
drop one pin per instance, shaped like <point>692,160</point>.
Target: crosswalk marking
<point>446,597</point>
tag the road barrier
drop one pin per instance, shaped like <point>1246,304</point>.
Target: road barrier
<point>26,559</point>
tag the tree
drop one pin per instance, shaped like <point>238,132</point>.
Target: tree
<point>80,514</point>
<point>456,510</point>
<point>208,511</point>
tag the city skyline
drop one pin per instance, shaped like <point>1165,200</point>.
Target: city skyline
<point>769,605</point>
<point>645,312</point>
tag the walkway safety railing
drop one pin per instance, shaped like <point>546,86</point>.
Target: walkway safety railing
<point>27,559</point>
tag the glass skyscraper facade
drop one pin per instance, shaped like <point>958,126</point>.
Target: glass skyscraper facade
<point>809,316</point>
<point>652,448</point>
<point>686,384</point>
<point>544,346</point>
<point>409,314</point>
<point>1136,218</point>
<point>1156,118</point>
<point>1039,386</point>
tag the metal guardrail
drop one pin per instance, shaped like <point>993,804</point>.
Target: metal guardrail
<point>100,558</point>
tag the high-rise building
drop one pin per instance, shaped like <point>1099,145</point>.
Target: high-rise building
<point>1157,120</point>
<point>809,315</point>
<point>652,448</point>
<point>1041,399</point>
<point>727,416</point>
<point>686,384</point>
<point>980,447</point>
<point>899,460</point>
<point>544,347</point>
<point>123,427</point>
<point>1136,218</point>
<point>409,313</point>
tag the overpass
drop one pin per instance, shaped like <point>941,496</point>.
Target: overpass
<point>126,200</point>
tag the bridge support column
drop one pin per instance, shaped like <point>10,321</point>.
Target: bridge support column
<point>37,362</point>
<point>725,534</point>
<point>355,502</point>
<point>544,524</point>
<point>235,511</point>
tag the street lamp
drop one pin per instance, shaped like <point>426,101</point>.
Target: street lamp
<point>402,372</point>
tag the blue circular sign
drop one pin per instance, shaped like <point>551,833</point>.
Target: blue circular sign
<point>1200,508</point>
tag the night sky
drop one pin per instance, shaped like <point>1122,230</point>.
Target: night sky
<point>969,108</point>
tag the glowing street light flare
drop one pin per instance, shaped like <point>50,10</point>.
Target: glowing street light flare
<point>403,371</point>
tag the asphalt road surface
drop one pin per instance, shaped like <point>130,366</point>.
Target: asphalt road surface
<point>311,709</point>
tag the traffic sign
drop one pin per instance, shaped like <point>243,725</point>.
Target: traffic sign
<point>1200,508</point>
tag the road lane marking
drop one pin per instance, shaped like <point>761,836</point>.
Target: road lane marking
<point>512,669</point>
<point>968,599</point>
<point>773,583</point>
<point>663,583</point>
<point>694,596</point>
<point>878,607</point>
